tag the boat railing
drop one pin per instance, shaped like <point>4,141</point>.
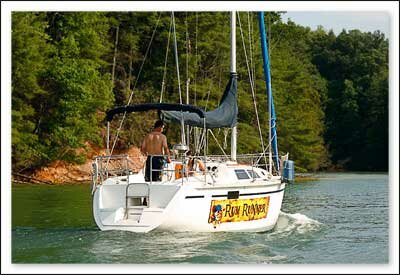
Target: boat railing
<point>180,171</point>
<point>256,160</point>
<point>104,167</point>
<point>259,160</point>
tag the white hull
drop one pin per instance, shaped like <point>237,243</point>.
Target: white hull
<point>187,204</point>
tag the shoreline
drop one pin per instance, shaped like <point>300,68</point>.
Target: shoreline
<point>299,178</point>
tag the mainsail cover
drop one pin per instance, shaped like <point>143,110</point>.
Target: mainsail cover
<point>224,116</point>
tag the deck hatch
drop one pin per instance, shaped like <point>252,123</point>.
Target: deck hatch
<point>241,174</point>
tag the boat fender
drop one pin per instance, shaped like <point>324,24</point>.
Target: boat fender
<point>95,169</point>
<point>178,171</point>
<point>288,171</point>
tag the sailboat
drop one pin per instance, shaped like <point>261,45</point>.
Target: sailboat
<point>230,195</point>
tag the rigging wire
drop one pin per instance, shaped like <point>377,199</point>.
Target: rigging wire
<point>114,57</point>
<point>202,140</point>
<point>252,88</point>
<point>179,81</point>
<point>226,132</point>
<point>165,63</point>
<point>176,58</point>
<point>130,97</point>
<point>200,143</point>
<point>187,61</point>
<point>216,140</point>
<point>196,135</point>
<point>251,49</point>
<point>264,153</point>
<point>187,76</point>
<point>275,43</point>
<point>196,65</point>
<point>112,83</point>
<point>208,96</point>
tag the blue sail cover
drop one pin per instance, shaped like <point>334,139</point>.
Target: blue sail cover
<point>224,116</point>
<point>267,73</point>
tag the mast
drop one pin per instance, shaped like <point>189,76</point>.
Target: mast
<point>183,141</point>
<point>233,71</point>
<point>272,117</point>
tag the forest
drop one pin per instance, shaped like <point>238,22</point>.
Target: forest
<point>68,68</point>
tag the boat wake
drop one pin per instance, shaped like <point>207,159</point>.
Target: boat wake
<point>289,224</point>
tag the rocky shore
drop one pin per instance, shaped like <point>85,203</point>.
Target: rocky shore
<point>61,172</point>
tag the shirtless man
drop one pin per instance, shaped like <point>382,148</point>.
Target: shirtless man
<point>154,145</point>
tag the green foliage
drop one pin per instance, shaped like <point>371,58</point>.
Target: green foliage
<point>354,63</point>
<point>58,85</point>
<point>80,87</point>
<point>29,55</point>
<point>300,119</point>
<point>330,92</point>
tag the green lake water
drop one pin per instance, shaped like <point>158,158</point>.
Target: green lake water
<point>339,218</point>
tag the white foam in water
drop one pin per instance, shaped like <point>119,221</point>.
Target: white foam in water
<point>299,223</point>
<point>271,259</point>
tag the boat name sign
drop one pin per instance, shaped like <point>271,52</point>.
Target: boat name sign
<point>237,210</point>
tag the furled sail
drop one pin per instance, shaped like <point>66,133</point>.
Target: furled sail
<point>267,73</point>
<point>224,116</point>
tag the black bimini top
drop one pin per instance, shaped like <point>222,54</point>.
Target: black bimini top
<point>155,106</point>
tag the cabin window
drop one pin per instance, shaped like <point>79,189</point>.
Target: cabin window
<point>253,174</point>
<point>241,174</point>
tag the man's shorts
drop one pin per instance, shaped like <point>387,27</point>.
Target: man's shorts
<point>157,164</point>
